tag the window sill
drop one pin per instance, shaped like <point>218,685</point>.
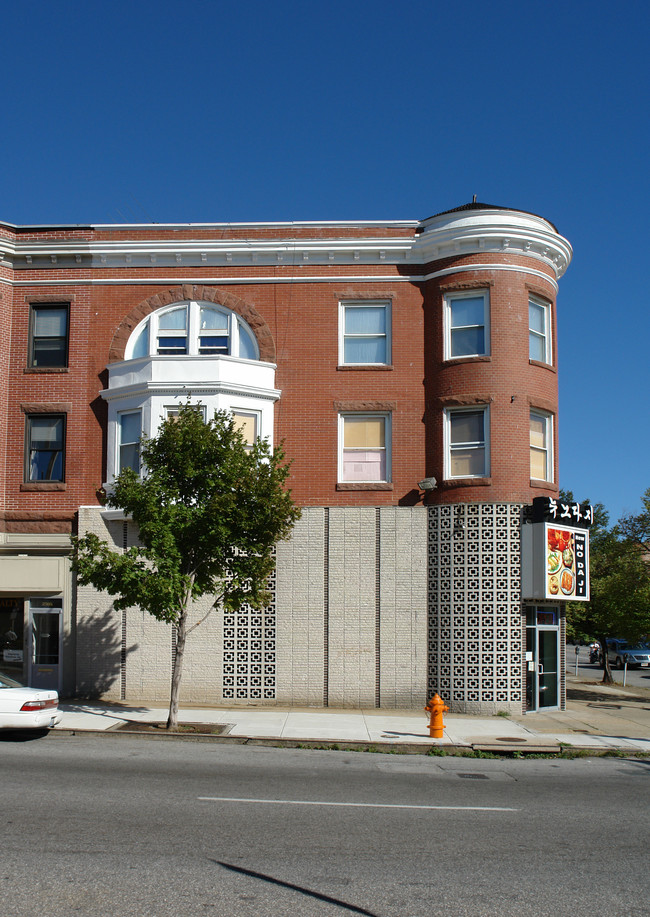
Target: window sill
<point>46,369</point>
<point>364,367</point>
<point>467,482</point>
<point>543,365</point>
<point>371,485</point>
<point>478,358</point>
<point>43,486</point>
<point>546,485</point>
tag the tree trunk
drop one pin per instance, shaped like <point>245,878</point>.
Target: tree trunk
<point>181,634</point>
<point>607,672</point>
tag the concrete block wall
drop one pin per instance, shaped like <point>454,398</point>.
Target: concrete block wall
<point>98,625</point>
<point>352,608</point>
<point>300,612</point>
<point>351,620</point>
<point>403,607</point>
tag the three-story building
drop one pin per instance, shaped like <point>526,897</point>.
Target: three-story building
<point>410,370</point>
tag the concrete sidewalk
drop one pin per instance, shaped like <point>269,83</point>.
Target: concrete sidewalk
<point>597,718</point>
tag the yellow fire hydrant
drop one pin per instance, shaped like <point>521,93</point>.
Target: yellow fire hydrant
<point>436,707</point>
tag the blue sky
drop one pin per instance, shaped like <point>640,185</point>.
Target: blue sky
<point>209,111</point>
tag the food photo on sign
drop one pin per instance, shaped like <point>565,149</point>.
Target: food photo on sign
<point>561,562</point>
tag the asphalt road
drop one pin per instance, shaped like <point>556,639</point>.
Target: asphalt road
<point>636,678</point>
<point>113,825</point>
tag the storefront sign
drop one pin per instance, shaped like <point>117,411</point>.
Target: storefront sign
<point>555,553</point>
<point>549,509</point>
<point>566,563</point>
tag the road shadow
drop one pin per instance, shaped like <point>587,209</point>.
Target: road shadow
<point>596,698</point>
<point>22,735</point>
<point>297,888</point>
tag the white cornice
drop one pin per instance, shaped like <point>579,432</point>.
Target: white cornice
<point>451,235</point>
<point>147,389</point>
<point>510,232</point>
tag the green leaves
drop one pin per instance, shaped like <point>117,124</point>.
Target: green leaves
<point>209,511</point>
<point>619,579</point>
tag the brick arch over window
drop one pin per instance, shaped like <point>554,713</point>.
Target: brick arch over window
<point>200,293</point>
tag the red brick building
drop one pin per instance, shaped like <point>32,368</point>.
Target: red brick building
<point>410,369</point>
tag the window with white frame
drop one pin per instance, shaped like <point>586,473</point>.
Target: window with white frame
<point>541,451</point>
<point>364,333</point>
<point>467,331</point>
<point>364,448</point>
<point>193,329</point>
<point>172,411</point>
<point>539,330</point>
<point>172,332</point>
<point>467,442</point>
<point>247,422</point>
<point>129,433</point>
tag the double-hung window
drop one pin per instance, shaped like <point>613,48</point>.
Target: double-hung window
<point>541,451</point>
<point>467,443</point>
<point>48,345</point>
<point>247,422</point>
<point>467,324</point>
<point>129,433</point>
<point>364,448</point>
<point>539,330</point>
<point>364,333</point>
<point>45,436</point>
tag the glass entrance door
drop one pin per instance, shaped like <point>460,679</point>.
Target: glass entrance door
<point>547,667</point>
<point>542,658</point>
<point>45,631</point>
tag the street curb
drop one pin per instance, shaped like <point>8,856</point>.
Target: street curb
<point>403,748</point>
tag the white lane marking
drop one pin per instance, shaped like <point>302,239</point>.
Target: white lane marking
<point>358,805</point>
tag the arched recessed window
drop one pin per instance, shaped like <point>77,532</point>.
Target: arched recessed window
<point>192,329</point>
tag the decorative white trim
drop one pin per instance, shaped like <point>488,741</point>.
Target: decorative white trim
<point>452,234</point>
<point>294,278</point>
<point>145,389</point>
<point>468,268</point>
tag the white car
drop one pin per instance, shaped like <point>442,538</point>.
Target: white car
<point>27,708</point>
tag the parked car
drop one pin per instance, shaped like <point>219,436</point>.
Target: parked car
<point>619,652</point>
<point>27,708</point>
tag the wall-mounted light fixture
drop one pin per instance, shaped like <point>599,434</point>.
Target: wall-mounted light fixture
<point>428,484</point>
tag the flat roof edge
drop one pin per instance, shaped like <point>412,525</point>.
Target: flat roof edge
<point>281,223</point>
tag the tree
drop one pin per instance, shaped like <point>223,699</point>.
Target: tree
<point>637,528</point>
<point>210,511</point>
<point>619,582</point>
